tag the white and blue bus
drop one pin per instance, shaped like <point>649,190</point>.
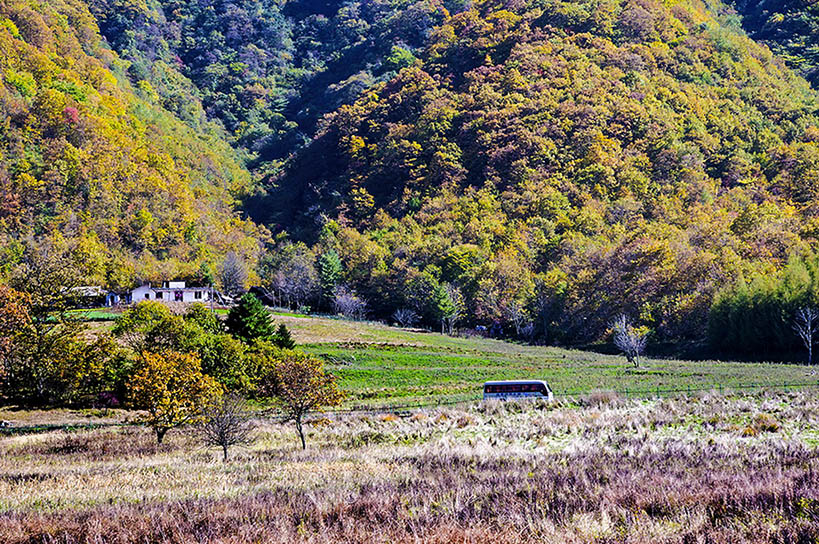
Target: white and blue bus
<point>519,389</point>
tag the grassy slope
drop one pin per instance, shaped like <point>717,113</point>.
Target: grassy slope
<point>709,469</point>
<point>383,364</point>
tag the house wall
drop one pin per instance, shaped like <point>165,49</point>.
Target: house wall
<point>138,294</point>
<point>188,295</point>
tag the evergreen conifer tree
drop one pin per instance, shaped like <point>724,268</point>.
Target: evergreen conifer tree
<point>249,320</point>
<point>329,269</point>
<point>283,338</point>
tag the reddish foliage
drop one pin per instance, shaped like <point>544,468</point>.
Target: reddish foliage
<point>716,495</point>
<point>72,115</point>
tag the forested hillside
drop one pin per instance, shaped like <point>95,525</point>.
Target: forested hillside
<point>539,165</point>
<point>266,70</point>
<point>561,162</point>
<point>89,167</point>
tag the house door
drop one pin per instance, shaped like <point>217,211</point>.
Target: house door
<point>177,296</point>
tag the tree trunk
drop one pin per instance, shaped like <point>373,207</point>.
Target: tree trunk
<point>160,435</point>
<point>225,452</point>
<point>301,433</point>
<point>810,353</point>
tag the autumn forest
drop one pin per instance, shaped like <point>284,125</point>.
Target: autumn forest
<point>535,167</point>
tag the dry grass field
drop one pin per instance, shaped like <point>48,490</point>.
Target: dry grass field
<point>711,468</point>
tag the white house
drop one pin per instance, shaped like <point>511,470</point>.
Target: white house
<point>172,291</point>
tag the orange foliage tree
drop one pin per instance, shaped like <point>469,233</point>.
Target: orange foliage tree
<point>14,314</point>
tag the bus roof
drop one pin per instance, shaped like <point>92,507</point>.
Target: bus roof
<point>518,382</point>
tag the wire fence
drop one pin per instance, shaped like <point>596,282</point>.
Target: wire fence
<point>637,393</point>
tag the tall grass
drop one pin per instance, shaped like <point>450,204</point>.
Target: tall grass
<point>609,470</point>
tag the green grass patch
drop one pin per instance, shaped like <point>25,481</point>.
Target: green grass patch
<point>96,314</point>
<point>379,365</point>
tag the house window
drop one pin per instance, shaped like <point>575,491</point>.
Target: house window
<point>198,295</point>
<point>147,296</point>
<point>159,295</point>
<point>178,296</point>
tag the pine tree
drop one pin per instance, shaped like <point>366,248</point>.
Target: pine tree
<point>329,269</point>
<point>283,338</point>
<point>250,320</point>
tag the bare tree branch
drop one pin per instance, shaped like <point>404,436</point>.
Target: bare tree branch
<point>805,324</point>
<point>227,423</point>
<point>630,340</point>
<point>348,304</point>
<point>406,317</point>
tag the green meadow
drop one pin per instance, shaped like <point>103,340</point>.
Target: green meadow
<point>383,365</point>
<point>379,364</point>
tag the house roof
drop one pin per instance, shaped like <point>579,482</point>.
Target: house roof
<point>187,288</point>
<point>180,288</point>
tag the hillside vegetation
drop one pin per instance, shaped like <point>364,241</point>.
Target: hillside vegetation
<point>536,166</point>
<point>567,161</point>
<point>267,70</point>
<point>91,164</point>
<point>790,28</point>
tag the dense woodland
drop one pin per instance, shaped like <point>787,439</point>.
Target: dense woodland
<point>536,167</point>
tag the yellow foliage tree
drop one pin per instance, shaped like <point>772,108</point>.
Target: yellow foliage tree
<point>300,385</point>
<point>172,390</point>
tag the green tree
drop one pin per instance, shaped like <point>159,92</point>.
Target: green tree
<point>48,278</point>
<point>202,316</point>
<point>329,271</point>
<point>398,58</point>
<point>249,320</point>
<point>448,306</point>
<point>149,326</point>
<point>225,358</point>
<point>283,338</point>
